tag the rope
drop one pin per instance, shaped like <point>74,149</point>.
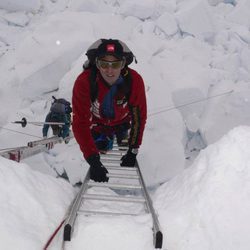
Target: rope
<point>190,103</point>
<point>53,235</point>
<point>21,132</point>
<point>151,114</point>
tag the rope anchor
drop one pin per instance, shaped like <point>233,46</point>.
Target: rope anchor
<point>23,122</point>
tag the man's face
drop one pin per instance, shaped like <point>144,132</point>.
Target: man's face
<point>110,68</point>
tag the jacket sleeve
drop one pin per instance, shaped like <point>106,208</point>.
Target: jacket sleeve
<point>82,117</point>
<point>138,110</point>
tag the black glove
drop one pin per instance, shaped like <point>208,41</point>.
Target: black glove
<point>129,159</point>
<point>97,171</point>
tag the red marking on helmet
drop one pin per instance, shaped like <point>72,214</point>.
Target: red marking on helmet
<point>110,47</point>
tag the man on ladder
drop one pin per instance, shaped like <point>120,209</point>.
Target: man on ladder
<point>108,101</point>
<point>60,112</point>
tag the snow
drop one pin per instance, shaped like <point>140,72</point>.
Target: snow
<point>32,205</point>
<point>124,233</point>
<point>168,24</point>
<point>194,19</point>
<point>20,5</point>
<point>207,206</point>
<point>141,9</point>
<point>194,56</point>
<point>239,14</point>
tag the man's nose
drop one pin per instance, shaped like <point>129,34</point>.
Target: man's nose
<point>109,69</point>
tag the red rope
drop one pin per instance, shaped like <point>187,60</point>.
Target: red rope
<point>53,236</point>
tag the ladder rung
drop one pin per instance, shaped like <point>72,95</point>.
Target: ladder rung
<point>111,156</point>
<point>120,168</point>
<point>108,160</point>
<point>113,198</point>
<point>116,152</point>
<point>114,185</point>
<point>105,213</point>
<point>112,164</point>
<point>113,153</point>
<point>123,148</point>
<point>123,176</point>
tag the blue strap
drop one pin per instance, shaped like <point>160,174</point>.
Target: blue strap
<point>107,107</point>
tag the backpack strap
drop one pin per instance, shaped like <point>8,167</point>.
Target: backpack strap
<point>60,105</point>
<point>93,84</point>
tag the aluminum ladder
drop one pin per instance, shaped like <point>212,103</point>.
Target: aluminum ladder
<point>111,161</point>
<point>32,148</point>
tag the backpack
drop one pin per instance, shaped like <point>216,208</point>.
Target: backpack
<point>60,111</point>
<point>90,64</point>
<point>60,106</point>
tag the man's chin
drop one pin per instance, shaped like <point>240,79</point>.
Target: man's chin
<point>110,81</point>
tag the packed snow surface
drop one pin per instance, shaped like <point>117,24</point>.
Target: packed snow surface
<point>194,57</point>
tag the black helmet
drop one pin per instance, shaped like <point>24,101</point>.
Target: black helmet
<point>110,47</point>
<point>113,47</point>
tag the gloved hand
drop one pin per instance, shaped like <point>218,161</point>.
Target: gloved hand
<point>97,171</point>
<point>129,159</point>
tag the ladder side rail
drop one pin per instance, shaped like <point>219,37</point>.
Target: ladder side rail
<point>6,151</point>
<point>70,220</point>
<point>33,148</point>
<point>158,237</point>
<point>21,153</point>
<point>3,151</point>
<point>44,141</point>
<point>13,154</point>
<point>27,152</point>
<point>54,139</point>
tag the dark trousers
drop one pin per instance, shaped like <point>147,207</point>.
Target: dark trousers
<point>104,135</point>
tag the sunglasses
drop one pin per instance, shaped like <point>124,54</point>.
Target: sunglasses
<point>105,64</point>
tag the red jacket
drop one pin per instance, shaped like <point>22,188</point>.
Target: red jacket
<point>87,117</point>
